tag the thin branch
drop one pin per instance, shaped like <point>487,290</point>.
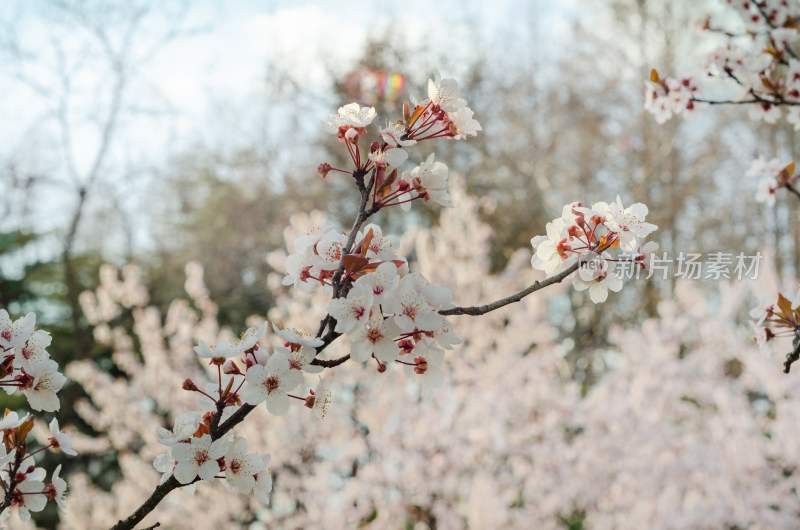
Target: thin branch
<point>759,99</point>
<point>483,309</point>
<point>793,356</point>
<point>12,484</point>
<point>792,190</point>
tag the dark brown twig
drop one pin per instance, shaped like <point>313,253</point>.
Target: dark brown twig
<point>483,309</point>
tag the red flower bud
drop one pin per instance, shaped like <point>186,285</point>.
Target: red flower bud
<point>323,169</point>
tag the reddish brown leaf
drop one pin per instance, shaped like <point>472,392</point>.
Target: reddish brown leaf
<point>353,263</point>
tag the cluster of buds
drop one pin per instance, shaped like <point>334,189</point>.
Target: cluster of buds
<point>594,239</point>
<point>778,318</point>
<point>27,367</point>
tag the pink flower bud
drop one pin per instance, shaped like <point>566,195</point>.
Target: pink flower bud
<point>231,368</point>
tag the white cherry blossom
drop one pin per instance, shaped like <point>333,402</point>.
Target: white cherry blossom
<point>241,466</point>
<point>42,393</point>
<point>351,115</point>
<point>465,124</point>
<point>271,383</point>
<point>354,310</point>
<point>297,336</point>
<point>59,440</point>
<point>628,222</point>
<point>184,428</point>
<point>428,180</point>
<point>34,352</point>
<point>444,93</point>
<point>375,338</point>
<point>16,333</point>
<point>389,157</point>
<point>319,399</point>
<point>381,282</point>
<point>232,348</point>
<point>328,251</point>
<point>598,277</point>
<point>198,458</point>
<point>57,489</point>
<point>263,485</point>
<point>381,247</point>
<point>11,420</point>
<point>410,307</point>
<point>29,494</point>
<point>393,134</point>
<point>551,254</point>
<point>165,464</point>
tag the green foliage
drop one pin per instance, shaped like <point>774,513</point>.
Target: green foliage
<point>573,521</point>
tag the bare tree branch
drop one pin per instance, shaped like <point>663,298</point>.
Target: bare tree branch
<point>483,309</point>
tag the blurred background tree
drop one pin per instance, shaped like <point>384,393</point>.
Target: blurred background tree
<point>560,88</point>
<point>159,133</point>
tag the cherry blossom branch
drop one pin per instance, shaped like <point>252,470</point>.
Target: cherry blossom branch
<point>758,99</point>
<point>760,8</point>
<point>792,190</point>
<point>473,311</point>
<point>483,309</point>
<point>217,431</point>
<point>149,505</point>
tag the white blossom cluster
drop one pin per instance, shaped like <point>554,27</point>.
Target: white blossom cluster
<point>388,314</point>
<point>665,97</point>
<point>756,66</point>
<point>255,377</point>
<point>771,177</point>
<point>391,318</point>
<point>444,114</point>
<point>758,61</point>
<point>27,367</point>
<point>194,456</point>
<point>597,236</point>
